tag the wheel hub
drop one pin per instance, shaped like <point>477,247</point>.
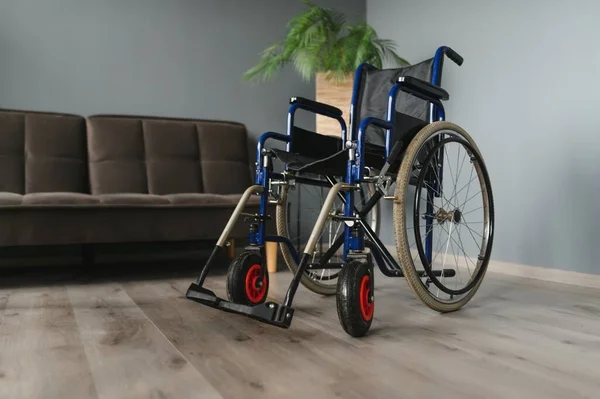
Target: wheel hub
<point>443,216</point>
<point>366,299</point>
<point>457,216</point>
<point>256,288</point>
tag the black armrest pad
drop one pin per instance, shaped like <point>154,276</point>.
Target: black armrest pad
<point>422,88</point>
<point>316,105</point>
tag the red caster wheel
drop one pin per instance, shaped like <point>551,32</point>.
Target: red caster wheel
<point>354,298</point>
<point>244,283</point>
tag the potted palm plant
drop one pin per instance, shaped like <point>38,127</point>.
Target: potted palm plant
<point>321,45</point>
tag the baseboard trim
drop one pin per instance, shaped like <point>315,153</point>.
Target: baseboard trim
<point>545,274</point>
<point>538,273</point>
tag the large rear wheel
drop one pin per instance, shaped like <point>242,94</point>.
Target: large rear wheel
<point>443,216</point>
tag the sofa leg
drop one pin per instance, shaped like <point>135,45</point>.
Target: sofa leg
<point>87,255</point>
<point>231,249</point>
<point>271,251</point>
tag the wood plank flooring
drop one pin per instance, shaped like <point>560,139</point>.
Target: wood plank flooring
<point>140,338</point>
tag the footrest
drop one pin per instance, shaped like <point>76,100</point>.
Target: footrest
<point>268,312</point>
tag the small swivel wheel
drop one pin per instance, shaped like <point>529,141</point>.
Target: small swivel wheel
<point>354,298</point>
<point>247,282</point>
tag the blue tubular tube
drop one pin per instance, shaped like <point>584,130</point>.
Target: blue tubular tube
<point>259,237</point>
<point>436,76</point>
<point>436,112</point>
<point>428,228</point>
<point>351,177</point>
<point>259,155</point>
<point>354,103</point>
<point>262,178</point>
<point>438,64</point>
<point>352,173</point>
<point>436,79</point>
<point>391,115</point>
<point>361,141</point>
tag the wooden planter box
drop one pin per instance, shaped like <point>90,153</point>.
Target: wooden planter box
<point>338,94</point>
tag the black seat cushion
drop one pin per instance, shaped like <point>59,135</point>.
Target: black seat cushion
<point>314,153</point>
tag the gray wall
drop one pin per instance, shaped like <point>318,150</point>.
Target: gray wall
<point>153,57</point>
<point>528,92</point>
<point>174,58</point>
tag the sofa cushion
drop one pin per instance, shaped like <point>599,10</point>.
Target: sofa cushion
<point>230,200</point>
<point>254,200</point>
<point>163,156</point>
<point>59,198</point>
<point>10,199</point>
<point>42,152</point>
<point>55,153</point>
<point>132,199</point>
<point>12,152</point>
<point>201,199</point>
<point>224,158</point>
<point>116,156</point>
<point>31,225</point>
<point>172,157</point>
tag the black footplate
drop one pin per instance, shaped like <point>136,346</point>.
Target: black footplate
<point>268,312</point>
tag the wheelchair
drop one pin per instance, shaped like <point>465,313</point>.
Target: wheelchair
<point>398,148</point>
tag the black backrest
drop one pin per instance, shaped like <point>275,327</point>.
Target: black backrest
<point>314,145</point>
<point>373,99</point>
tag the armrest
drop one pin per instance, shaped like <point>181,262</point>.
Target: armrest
<point>422,89</point>
<point>333,111</point>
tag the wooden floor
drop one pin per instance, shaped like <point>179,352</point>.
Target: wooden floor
<point>137,337</point>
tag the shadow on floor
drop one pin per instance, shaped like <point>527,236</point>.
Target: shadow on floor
<point>43,276</point>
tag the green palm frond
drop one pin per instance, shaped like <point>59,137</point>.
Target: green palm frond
<point>306,64</point>
<point>388,49</point>
<point>272,59</point>
<point>319,40</point>
<point>315,24</point>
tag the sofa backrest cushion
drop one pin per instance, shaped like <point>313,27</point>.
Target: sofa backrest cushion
<point>129,154</point>
<point>224,157</point>
<point>42,152</point>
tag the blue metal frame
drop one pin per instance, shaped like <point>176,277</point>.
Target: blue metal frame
<point>353,237</point>
<point>355,167</point>
<point>262,178</point>
<point>436,113</point>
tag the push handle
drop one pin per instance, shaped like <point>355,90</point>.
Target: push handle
<point>454,56</point>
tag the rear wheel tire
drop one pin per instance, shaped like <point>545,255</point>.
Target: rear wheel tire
<point>355,299</point>
<point>244,283</point>
<point>441,296</point>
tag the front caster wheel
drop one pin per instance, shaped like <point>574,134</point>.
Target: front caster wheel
<point>246,282</point>
<point>354,298</point>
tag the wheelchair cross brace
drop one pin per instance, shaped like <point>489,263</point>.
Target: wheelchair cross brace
<point>384,260</point>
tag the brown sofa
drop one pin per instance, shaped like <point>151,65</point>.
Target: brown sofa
<point>66,179</point>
